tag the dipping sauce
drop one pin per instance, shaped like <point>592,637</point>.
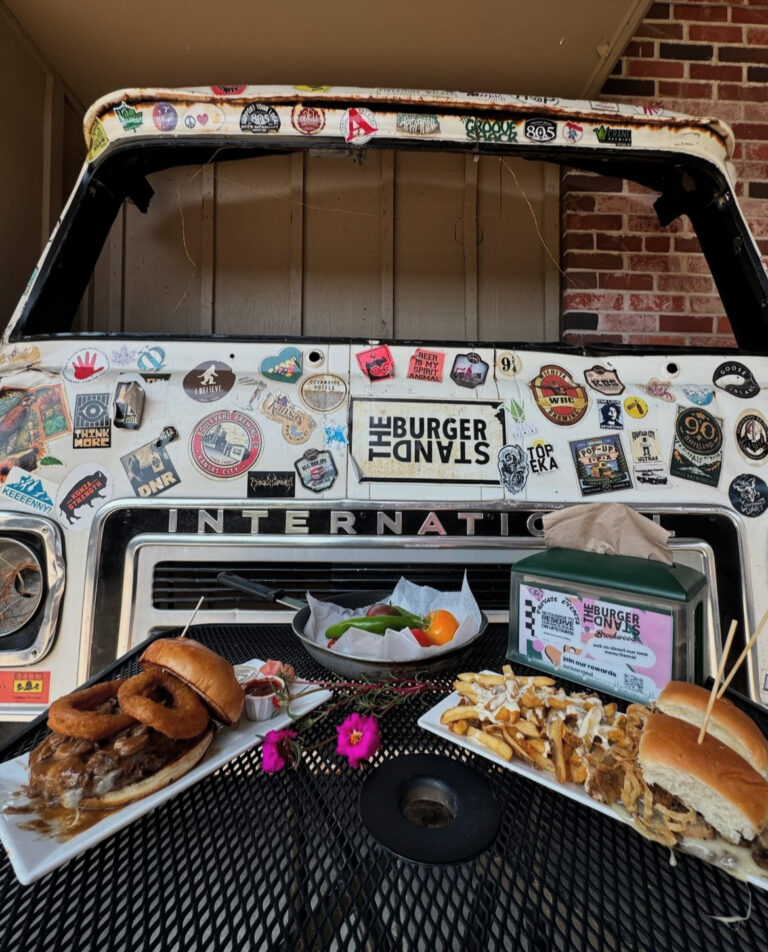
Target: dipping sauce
<point>261,697</point>
<point>262,687</point>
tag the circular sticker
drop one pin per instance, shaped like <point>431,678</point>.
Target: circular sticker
<point>698,431</point>
<point>85,365</point>
<point>151,359</point>
<point>209,381</point>
<point>225,444</point>
<point>228,90</point>
<point>636,407</point>
<point>748,495</point>
<point>165,117</point>
<point>203,116</point>
<point>736,379</point>
<point>508,364</point>
<point>83,492</point>
<point>307,120</point>
<point>323,392</point>
<point>752,436</point>
<point>558,396</point>
<point>257,117</point>
<point>358,126</point>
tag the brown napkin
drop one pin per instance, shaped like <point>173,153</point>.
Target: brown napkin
<point>608,528</point>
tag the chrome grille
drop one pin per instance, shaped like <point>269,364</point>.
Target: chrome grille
<point>178,585</point>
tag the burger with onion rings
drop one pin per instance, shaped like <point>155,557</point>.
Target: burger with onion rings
<point>118,741</point>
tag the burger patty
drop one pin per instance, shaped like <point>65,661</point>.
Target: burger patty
<point>66,769</point>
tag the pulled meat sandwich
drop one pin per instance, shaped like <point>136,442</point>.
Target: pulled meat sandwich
<point>710,778</point>
<point>727,723</point>
<point>119,741</point>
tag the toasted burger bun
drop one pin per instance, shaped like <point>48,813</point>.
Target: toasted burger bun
<point>727,723</point>
<point>710,777</point>
<point>167,774</point>
<point>207,673</point>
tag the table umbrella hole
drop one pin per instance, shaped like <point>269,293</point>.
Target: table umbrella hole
<point>429,809</point>
<point>428,802</point>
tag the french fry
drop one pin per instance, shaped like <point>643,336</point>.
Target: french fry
<point>537,744</point>
<point>526,728</point>
<point>577,770</point>
<point>463,712</point>
<point>558,703</point>
<point>529,699</point>
<point>544,727</point>
<point>496,744</point>
<point>532,757</point>
<point>556,726</point>
<point>539,681</point>
<point>489,680</point>
<point>466,690</point>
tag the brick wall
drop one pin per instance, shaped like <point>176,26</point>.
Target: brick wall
<point>626,279</point>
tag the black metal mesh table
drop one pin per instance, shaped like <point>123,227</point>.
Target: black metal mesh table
<point>246,860</point>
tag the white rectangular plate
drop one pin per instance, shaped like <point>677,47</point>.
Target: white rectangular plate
<point>32,854</point>
<point>430,721</point>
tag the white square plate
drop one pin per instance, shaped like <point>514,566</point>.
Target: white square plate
<point>430,721</point>
<point>32,854</point>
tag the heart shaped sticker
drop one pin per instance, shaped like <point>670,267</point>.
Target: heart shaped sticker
<point>286,366</point>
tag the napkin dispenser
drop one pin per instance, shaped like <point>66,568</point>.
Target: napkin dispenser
<point>615,623</point>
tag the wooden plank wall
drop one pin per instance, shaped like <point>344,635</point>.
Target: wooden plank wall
<point>41,152</point>
<point>401,245</point>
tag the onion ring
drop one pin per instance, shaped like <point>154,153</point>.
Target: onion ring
<point>187,717</point>
<point>73,714</point>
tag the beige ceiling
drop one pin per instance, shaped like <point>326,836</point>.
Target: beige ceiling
<point>562,48</point>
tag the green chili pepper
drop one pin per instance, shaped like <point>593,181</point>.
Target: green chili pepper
<point>414,621</point>
<point>376,624</point>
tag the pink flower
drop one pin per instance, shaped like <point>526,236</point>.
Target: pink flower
<point>359,738</point>
<point>278,751</point>
<point>279,669</point>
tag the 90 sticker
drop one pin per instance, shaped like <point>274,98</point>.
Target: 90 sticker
<point>697,450</point>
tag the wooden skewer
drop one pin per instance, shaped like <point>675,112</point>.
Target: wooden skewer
<point>747,648</point>
<point>197,609</point>
<point>718,676</point>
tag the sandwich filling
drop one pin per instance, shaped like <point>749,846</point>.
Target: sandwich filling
<point>66,770</point>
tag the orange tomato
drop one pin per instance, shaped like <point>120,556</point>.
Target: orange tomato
<point>441,627</point>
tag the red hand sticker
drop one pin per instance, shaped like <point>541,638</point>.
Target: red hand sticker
<point>85,367</point>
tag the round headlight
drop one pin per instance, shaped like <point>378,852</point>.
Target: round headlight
<point>21,585</point>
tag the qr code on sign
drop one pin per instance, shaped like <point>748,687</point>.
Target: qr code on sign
<point>633,683</point>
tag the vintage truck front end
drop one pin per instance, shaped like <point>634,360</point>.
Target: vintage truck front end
<point>164,415</point>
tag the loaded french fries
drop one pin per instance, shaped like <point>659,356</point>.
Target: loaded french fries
<point>647,761</point>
